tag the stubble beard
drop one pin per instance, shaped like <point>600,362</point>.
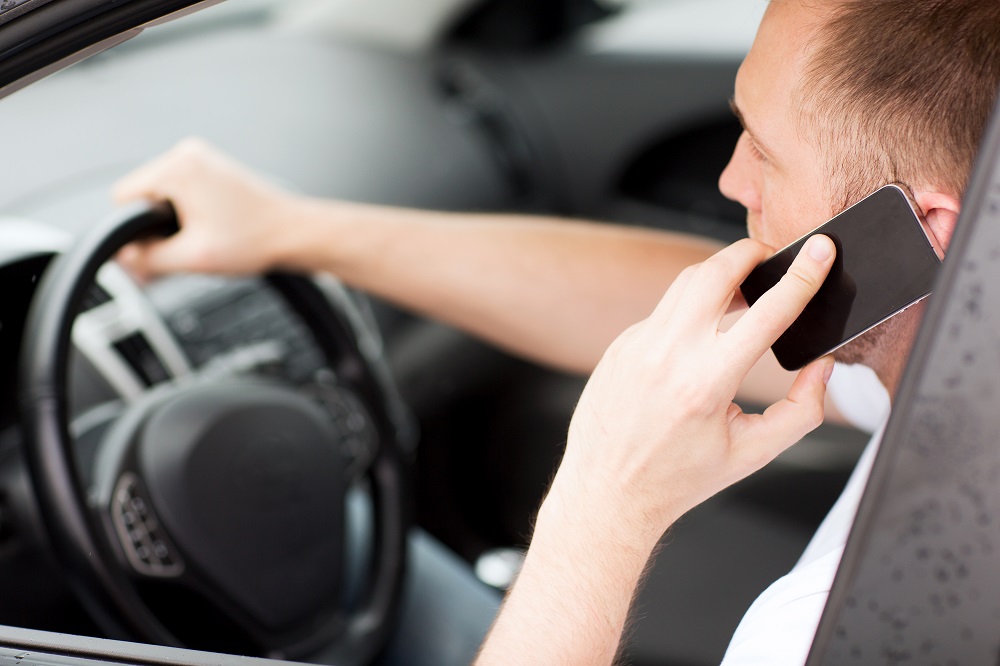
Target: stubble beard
<point>872,348</point>
<point>861,349</point>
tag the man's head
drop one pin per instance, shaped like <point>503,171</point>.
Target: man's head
<point>839,97</point>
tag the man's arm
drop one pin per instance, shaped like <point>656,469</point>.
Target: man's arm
<point>655,434</point>
<point>555,291</point>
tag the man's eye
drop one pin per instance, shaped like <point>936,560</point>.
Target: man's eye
<point>755,151</point>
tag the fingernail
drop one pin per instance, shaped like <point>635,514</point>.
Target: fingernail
<point>818,248</point>
<point>828,372</point>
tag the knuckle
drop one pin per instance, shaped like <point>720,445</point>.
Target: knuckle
<point>619,343</point>
<point>699,401</point>
<point>746,249</point>
<point>717,269</point>
<point>814,415</point>
<point>748,244</point>
<point>694,396</point>
<point>633,331</point>
<point>191,150</point>
<point>752,458</point>
<point>627,340</point>
<point>686,274</point>
<point>801,279</point>
<point>191,145</point>
<point>808,417</point>
<point>202,257</point>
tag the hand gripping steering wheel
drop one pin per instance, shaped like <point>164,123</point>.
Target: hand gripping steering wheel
<point>218,503</point>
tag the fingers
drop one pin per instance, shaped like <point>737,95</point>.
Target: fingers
<point>665,308</point>
<point>775,311</point>
<point>150,258</point>
<point>147,183</point>
<point>763,436</point>
<point>216,201</point>
<point>711,284</point>
<point>141,184</point>
<point>130,258</point>
<point>155,180</point>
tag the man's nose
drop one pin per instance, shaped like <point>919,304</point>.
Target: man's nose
<point>740,180</point>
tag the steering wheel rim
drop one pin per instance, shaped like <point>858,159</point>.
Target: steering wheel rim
<point>80,541</point>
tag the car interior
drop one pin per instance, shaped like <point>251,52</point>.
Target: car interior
<point>611,111</point>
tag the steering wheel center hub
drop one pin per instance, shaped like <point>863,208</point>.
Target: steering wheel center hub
<point>248,480</point>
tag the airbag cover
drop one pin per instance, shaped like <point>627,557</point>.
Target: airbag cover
<point>249,482</point>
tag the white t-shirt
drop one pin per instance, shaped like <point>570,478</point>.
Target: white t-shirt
<point>779,627</point>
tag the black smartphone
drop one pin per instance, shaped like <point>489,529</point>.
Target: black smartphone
<point>886,261</point>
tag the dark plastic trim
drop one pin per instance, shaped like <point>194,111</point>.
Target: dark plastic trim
<point>18,10</point>
<point>17,644</point>
<point>919,581</point>
<point>58,29</point>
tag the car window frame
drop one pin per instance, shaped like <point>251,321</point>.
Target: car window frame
<point>881,568</point>
<point>48,37</point>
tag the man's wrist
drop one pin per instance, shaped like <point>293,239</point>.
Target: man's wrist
<point>312,235</point>
<point>571,601</point>
<point>577,502</point>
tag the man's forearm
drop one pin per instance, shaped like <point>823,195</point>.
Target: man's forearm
<point>572,598</point>
<point>555,291</point>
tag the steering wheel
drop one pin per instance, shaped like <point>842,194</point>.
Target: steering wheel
<point>218,502</point>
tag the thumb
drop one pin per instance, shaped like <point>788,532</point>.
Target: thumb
<point>152,257</point>
<point>763,436</point>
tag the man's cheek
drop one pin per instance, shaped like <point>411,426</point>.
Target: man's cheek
<point>754,227</point>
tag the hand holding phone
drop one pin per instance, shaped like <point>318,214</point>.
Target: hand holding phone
<point>886,262</point>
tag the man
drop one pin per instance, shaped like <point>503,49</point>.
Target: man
<point>837,98</point>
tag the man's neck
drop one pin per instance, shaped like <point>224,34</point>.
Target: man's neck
<point>889,357</point>
<point>889,364</point>
<point>890,380</point>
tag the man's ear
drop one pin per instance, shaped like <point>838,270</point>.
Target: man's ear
<point>941,212</point>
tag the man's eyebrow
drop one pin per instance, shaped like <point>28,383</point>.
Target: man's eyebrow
<point>743,123</point>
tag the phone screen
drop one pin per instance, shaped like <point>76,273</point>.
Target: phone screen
<point>885,263</point>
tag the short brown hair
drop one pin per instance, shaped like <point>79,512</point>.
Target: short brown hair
<point>906,87</point>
